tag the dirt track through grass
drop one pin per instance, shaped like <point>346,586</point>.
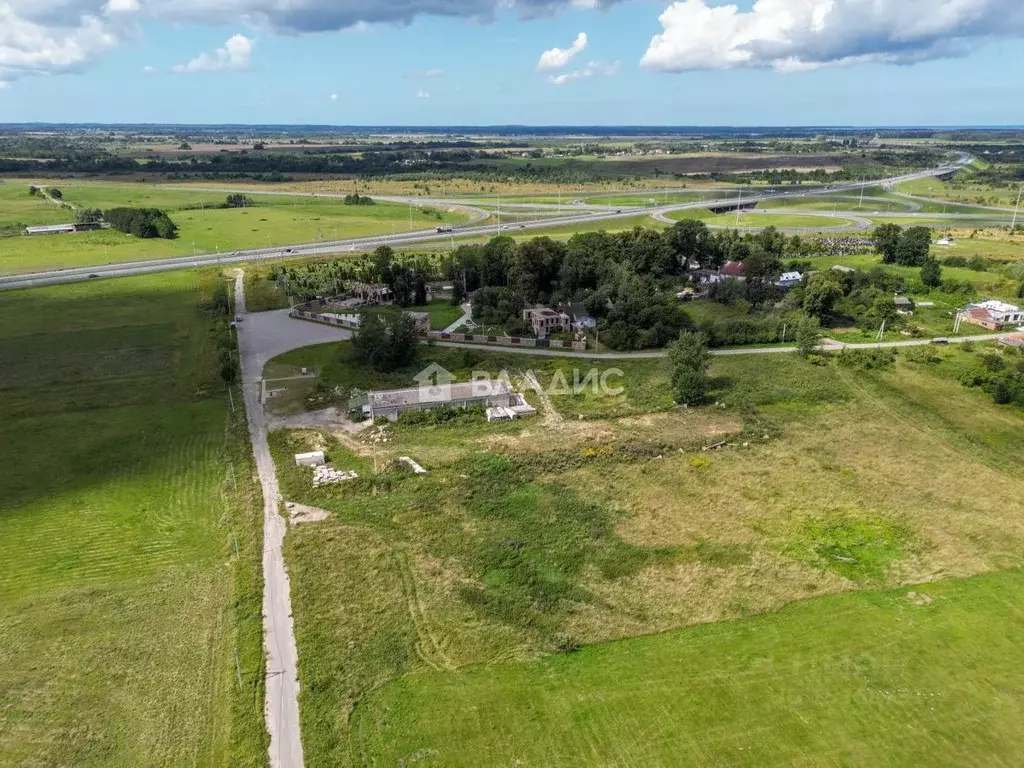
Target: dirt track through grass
<point>619,526</point>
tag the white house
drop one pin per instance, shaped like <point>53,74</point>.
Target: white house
<point>789,280</point>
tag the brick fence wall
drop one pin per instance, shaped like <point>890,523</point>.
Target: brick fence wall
<point>302,312</point>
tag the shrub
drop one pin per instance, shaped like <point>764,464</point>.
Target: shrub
<point>1002,393</point>
<point>993,361</point>
<point>866,359</point>
<point>975,377</point>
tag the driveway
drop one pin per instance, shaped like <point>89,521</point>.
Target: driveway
<point>261,337</point>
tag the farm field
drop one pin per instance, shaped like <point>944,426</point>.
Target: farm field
<point>603,520</point>
<point>273,221</point>
<point>130,533</point>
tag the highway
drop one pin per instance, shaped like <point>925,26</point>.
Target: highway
<point>580,215</point>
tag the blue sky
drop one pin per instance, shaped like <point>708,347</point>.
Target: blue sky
<point>452,70</point>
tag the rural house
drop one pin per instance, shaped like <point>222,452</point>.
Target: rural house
<point>789,280</point>
<point>734,269</point>
<point>994,315</point>
<point>545,320</point>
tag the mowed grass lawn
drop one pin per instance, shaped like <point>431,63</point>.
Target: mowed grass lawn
<point>273,221</point>
<point>876,678</point>
<point>130,533</point>
<point>437,615</point>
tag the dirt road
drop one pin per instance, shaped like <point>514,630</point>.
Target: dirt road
<point>282,695</point>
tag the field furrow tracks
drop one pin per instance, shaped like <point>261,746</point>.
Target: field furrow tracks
<point>428,648</point>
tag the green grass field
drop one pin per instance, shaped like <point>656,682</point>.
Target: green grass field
<point>875,678</point>
<point>760,220</point>
<point>654,197</point>
<point>841,204</point>
<point>275,220</point>
<point>962,192</point>
<point>436,615</point>
<point>130,533</point>
<point>18,209</point>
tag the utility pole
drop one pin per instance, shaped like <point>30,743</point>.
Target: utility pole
<point>1017,209</point>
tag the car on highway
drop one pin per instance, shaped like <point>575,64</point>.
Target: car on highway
<point>93,277</point>
<point>940,340</point>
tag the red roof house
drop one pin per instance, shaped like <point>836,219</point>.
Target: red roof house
<point>734,269</point>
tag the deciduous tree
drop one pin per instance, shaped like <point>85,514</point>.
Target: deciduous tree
<point>689,359</point>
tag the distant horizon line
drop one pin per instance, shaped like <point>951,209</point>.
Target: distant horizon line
<point>582,127</point>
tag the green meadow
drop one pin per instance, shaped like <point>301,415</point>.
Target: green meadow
<point>130,533</point>
<point>202,228</point>
<point>596,585</point>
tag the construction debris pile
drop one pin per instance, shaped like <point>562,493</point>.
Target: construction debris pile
<point>326,475</point>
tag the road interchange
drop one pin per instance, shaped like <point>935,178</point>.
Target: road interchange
<point>581,214</point>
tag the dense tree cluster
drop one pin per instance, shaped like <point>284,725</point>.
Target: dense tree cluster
<point>385,342</point>
<point>88,216</point>
<point>907,247</point>
<point>142,222</point>
<point>358,199</point>
<point>238,200</point>
<point>625,280</point>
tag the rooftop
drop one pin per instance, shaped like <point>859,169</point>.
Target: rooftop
<point>443,393</point>
<point>51,228</point>
<point>998,306</point>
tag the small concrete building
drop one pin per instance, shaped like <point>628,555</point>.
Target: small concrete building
<point>392,403</point>
<point>312,459</point>
<point>904,306</point>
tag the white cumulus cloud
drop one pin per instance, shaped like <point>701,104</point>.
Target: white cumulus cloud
<point>593,69</point>
<point>123,6</point>
<point>57,36</point>
<point>421,94</point>
<point>557,58</point>
<point>45,37</point>
<point>795,35</point>
<point>235,54</point>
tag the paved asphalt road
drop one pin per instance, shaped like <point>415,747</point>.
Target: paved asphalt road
<point>279,333</point>
<point>82,274</point>
<point>281,704</point>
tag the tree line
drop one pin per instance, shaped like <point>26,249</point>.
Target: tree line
<point>142,222</point>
